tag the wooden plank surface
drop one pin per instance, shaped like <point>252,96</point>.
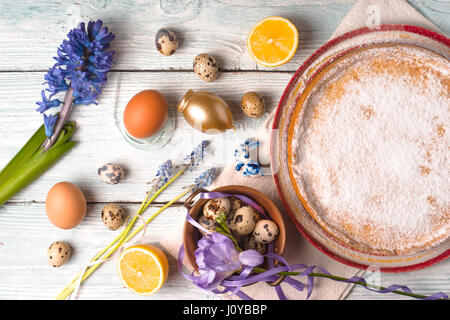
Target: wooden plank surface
<point>217,27</point>
<point>26,234</point>
<point>30,32</point>
<point>25,274</point>
<point>100,140</point>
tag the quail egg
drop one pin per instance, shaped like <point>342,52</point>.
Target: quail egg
<point>215,207</point>
<point>110,173</point>
<point>166,42</point>
<point>205,67</point>
<point>265,231</point>
<point>208,224</point>
<point>243,221</point>
<point>58,253</point>
<point>236,203</point>
<point>258,216</point>
<point>253,105</point>
<point>251,243</point>
<point>113,216</point>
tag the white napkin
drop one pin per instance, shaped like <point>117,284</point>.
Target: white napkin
<point>365,13</point>
<point>370,13</point>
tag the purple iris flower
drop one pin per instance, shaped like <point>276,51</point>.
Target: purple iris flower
<point>82,63</point>
<point>217,258</point>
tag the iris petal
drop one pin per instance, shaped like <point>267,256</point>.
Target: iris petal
<point>251,258</point>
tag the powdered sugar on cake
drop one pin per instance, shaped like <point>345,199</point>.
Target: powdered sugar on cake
<point>371,150</point>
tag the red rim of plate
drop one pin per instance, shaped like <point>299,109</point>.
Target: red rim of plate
<point>385,27</point>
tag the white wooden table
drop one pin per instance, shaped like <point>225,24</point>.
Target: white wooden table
<point>30,32</point>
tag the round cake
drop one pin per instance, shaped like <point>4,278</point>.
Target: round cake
<point>369,149</point>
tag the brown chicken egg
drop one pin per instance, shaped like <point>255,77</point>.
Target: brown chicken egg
<point>145,114</point>
<point>65,205</point>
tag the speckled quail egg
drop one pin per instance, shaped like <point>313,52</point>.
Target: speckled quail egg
<point>110,173</point>
<point>208,224</point>
<point>205,67</point>
<point>229,219</point>
<point>236,203</point>
<point>166,42</point>
<point>258,216</point>
<point>243,221</point>
<point>215,207</point>
<point>113,216</point>
<point>251,243</point>
<point>265,231</point>
<point>58,253</point>
<point>253,105</point>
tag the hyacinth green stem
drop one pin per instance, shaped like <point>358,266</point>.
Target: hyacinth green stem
<point>25,154</point>
<point>31,161</point>
<point>123,237</point>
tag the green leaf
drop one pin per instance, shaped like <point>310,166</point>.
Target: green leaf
<point>26,174</point>
<point>65,134</point>
<point>24,155</point>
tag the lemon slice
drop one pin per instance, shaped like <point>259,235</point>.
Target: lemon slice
<point>273,41</point>
<point>143,269</point>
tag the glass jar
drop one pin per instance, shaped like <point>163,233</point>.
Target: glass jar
<point>155,141</point>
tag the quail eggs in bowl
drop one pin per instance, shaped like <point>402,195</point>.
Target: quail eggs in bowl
<point>241,219</point>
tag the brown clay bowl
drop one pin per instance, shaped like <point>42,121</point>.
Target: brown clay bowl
<point>191,235</point>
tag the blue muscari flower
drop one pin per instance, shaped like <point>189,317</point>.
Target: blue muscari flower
<point>164,173</point>
<point>205,178</point>
<point>82,63</point>
<point>46,104</point>
<point>196,156</point>
<point>49,122</point>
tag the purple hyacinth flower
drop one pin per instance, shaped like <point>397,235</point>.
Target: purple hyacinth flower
<point>56,80</point>
<point>46,104</point>
<point>82,63</point>
<point>49,122</point>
